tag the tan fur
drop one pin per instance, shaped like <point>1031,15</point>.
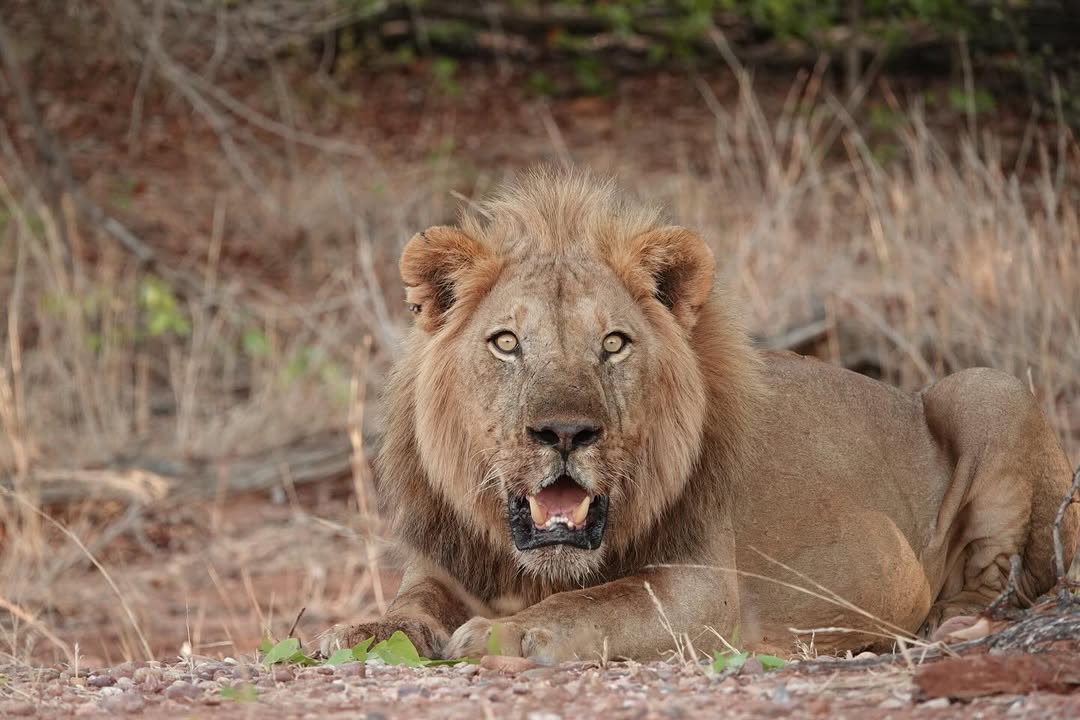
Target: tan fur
<point>732,474</point>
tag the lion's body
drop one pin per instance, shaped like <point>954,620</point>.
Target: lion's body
<point>750,493</point>
<point>896,502</point>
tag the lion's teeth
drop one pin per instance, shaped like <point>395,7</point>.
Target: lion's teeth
<point>581,511</point>
<point>539,514</point>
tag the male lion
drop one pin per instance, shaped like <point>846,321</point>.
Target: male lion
<point>585,457</point>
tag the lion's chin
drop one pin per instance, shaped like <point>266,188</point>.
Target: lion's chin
<point>559,514</point>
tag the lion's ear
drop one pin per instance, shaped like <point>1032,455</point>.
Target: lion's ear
<point>434,265</point>
<point>678,268</point>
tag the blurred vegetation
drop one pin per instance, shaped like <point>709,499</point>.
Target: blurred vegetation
<point>1029,43</point>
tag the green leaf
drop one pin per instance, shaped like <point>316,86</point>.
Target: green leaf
<point>266,645</point>
<point>771,662</point>
<point>340,657</point>
<point>360,650</point>
<point>245,692</point>
<point>453,661</point>
<point>398,650</point>
<point>728,660</point>
<point>494,645</point>
<point>282,652</point>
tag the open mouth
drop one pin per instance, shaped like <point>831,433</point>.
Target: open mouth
<point>562,513</point>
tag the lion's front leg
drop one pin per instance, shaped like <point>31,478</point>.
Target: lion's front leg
<point>635,617</point>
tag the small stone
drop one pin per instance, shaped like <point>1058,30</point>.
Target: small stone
<point>325,670</point>
<point>101,681</point>
<point>87,709</point>
<point>80,681</point>
<point>124,670</point>
<point>125,683</point>
<point>865,656</point>
<point>124,703</point>
<point>406,690</point>
<point>181,690</point>
<point>110,691</point>
<point>506,663</point>
<point>752,666</point>
<point>780,695</point>
<point>935,704</point>
<point>282,674</point>
<point>542,716</point>
<point>16,709</point>
<point>466,669</point>
<point>352,669</point>
<point>891,704</point>
<point>540,674</point>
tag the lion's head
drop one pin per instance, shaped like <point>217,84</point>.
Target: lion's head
<point>553,395</point>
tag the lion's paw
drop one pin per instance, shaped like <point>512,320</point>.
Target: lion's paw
<point>482,636</point>
<point>424,639</point>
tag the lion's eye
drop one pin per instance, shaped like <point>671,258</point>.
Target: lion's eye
<point>505,342</point>
<point>615,342</point>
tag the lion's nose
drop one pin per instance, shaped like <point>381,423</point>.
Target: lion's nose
<point>566,436</point>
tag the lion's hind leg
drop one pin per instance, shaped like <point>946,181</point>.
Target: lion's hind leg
<point>1010,477</point>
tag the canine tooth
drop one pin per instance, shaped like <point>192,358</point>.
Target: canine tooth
<point>539,515</point>
<point>581,511</point>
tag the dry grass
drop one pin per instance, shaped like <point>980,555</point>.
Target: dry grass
<point>937,260</point>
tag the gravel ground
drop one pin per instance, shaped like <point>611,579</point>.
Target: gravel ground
<point>498,688</point>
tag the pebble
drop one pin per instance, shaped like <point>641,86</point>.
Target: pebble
<point>891,704</point>
<point>466,669</point>
<point>865,655</point>
<point>352,669</point>
<point>542,716</point>
<point>110,691</point>
<point>935,704</point>
<point>181,690</point>
<point>124,703</point>
<point>752,666</point>
<point>87,709</point>
<point>283,674</point>
<point>780,694</point>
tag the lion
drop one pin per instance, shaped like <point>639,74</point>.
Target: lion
<point>585,457</point>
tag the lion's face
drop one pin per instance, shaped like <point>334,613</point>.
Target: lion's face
<point>559,401</point>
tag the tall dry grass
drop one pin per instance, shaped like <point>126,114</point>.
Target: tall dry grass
<point>938,259</point>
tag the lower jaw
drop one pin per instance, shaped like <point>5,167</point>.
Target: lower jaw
<point>527,536</point>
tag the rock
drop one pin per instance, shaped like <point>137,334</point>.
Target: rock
<point>891,704</point>
<point>123,703</point>
<point>865,656</point>
<point>125,683</point>
<point>542,716</point>
<point>283,674</point>
<point>87,709</point>
<point>466,669</point>
<point>752,666</point>
<point>181,690</point>
<point>780,694</point>
<point>407,690</point>
<point>110,691</point>
<point>506,664</point>
<point>352,669</point>
<point>936,704</point>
